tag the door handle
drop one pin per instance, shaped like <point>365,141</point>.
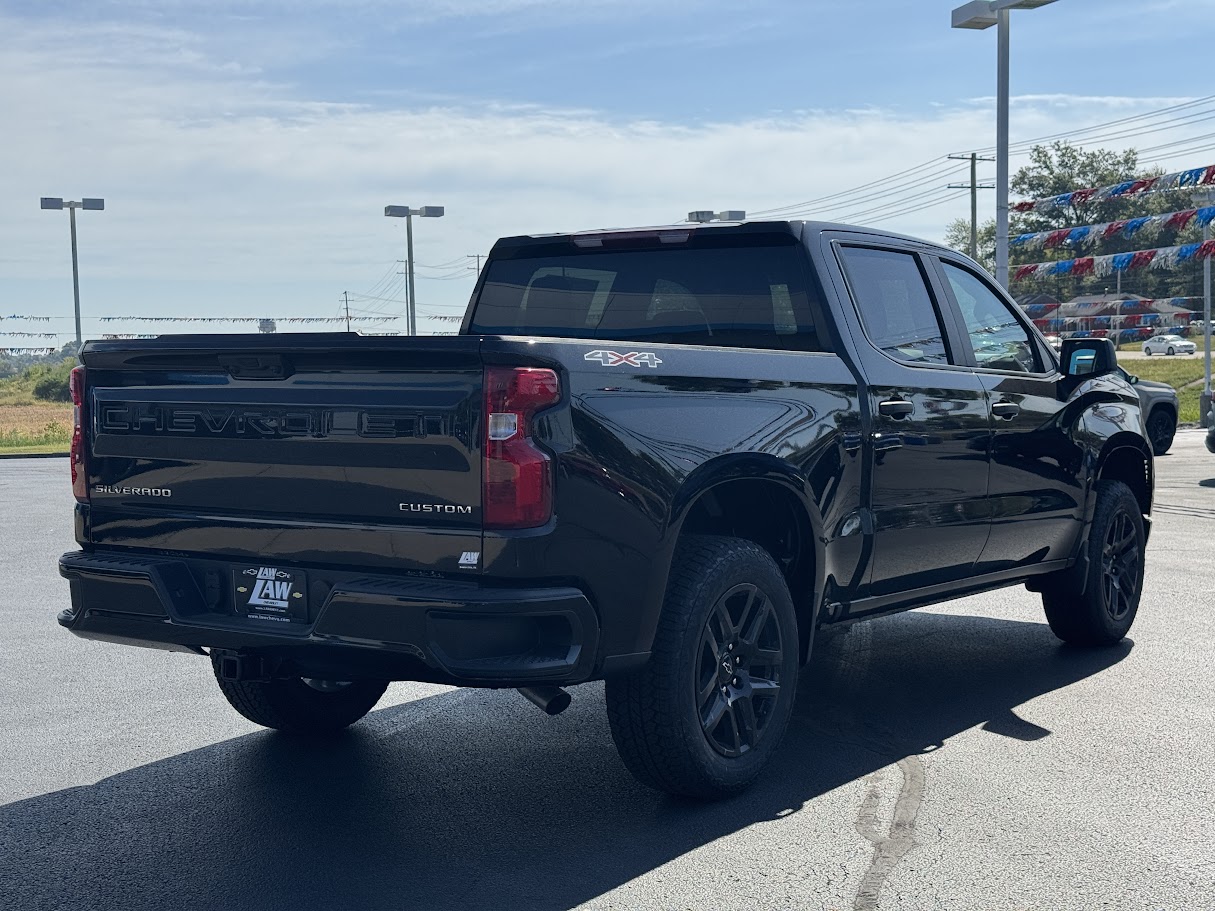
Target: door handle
<point>896,408</point>
<point>1005,410</point>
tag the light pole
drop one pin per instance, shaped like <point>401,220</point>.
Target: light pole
<point>1205,198</point>
<point>57,202</point>
<point>981,14</point>
<point>407,213</point>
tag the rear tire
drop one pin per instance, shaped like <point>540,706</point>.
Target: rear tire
<point>1103,614</point>
<point>1161,428</point>
<point>1170,352</point>
<point>703,716</point>
<point>290,704</point>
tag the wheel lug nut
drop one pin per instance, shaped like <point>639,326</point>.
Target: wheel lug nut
<point>735,681</point>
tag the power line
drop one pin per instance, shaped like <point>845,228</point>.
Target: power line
<point>873,183</point>
<point>932,204</point>
<point>1146,115</point>
<point>793,209</point>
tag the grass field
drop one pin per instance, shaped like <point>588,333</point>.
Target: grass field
<point>1166,370</point>
<point>36,427</point>
<point>1183,375</point>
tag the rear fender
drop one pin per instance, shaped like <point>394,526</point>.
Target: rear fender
<point>724,470</point>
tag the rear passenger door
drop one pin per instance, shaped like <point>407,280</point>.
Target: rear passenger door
<point>1035,487</point>
<point>928,430</point>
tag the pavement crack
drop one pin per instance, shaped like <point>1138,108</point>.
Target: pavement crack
<point>888,850</point>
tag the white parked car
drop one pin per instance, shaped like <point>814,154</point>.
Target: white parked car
<point>1168,344</point>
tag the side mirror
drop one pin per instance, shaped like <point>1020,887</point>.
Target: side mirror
<point>1088,357</point>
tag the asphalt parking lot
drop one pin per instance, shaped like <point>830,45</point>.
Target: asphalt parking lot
<point>956,757</point>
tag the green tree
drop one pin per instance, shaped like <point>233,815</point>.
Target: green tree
<point>957,236</point>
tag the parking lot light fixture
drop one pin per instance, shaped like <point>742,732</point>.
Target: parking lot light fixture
<point>90,204</point>
<point>981,14</point>
<point>407,213</point>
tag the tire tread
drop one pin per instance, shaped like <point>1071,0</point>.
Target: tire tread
<point>289,704</point>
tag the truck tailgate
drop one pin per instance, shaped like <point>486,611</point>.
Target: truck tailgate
<point>254,447</point>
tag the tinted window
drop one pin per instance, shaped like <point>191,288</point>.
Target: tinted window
<point>999,341</point>
<point>895,306</point>
<point>752,296</point>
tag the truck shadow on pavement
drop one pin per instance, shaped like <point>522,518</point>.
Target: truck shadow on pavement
<point>473,799</point>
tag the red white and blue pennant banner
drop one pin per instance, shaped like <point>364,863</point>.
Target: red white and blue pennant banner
<point>27,350</point>
<point>30,334</point>
<point>1179,180</point>
<point>247,319</point>
<point>1127,227</point>
<point>1160,258</point>
<point>35,319</point>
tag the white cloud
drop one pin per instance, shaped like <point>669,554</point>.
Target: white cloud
<point>212,175</point>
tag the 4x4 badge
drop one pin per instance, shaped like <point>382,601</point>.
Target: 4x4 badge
<point>616,359</point>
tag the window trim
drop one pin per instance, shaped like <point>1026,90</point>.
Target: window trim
<point>1045,355</point>
<point>946,318</point>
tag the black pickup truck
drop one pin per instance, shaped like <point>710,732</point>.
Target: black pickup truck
<point>659,457</point>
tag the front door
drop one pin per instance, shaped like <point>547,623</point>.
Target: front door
<point>1036,486</point>
<point>929,431</point>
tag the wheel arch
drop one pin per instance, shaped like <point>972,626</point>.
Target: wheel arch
<point>760,498</point>
<point>1168,407</point>
<point>1127,457</point>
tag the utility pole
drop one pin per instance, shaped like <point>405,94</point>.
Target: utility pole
<point>346,298</point>
<point>477,257</point>
<point>974,187</point>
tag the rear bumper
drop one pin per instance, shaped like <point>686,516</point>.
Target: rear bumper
<point>359,626</point>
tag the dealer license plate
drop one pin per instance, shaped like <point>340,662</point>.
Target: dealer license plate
<point>270,593</point>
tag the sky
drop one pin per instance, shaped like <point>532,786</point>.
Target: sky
<point>245,150</point>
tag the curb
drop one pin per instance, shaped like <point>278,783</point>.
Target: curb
<point>34,455</point>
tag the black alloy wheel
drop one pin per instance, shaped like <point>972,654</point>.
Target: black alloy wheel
<point>1095,602</point>
<point>1120,566</point>
<point>1161,429</point>
<point>738,671</point>
<point>703,716</point>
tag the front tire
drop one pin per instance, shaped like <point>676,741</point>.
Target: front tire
<point>1161,428</point>
<point>1103,614</point>
<point>703,716</point>
<point>299,707</point>
<point>1147,352</point>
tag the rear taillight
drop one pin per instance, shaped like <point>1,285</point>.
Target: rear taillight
<point>518,486</point>
<point>80,471</point>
